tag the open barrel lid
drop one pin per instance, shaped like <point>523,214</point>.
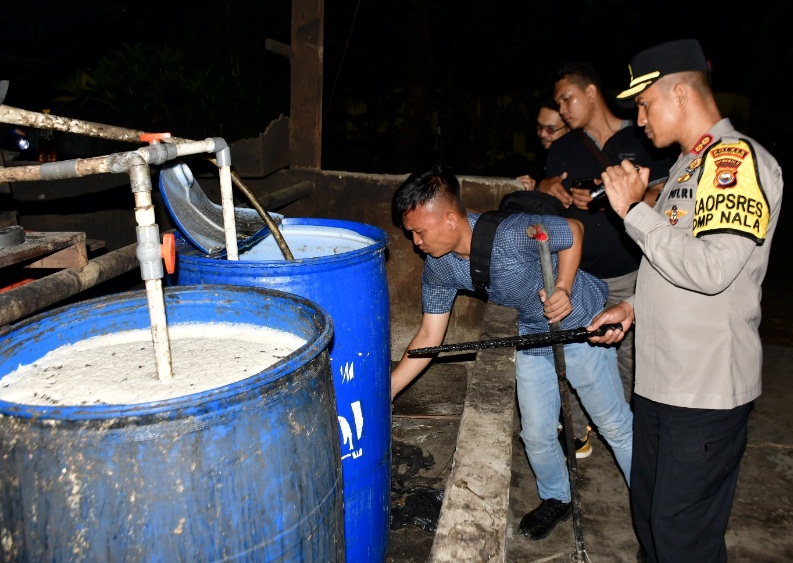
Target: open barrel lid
<point>199,219</point>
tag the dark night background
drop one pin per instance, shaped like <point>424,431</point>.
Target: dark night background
<point>405,82</point>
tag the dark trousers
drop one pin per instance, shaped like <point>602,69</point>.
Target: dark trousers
<point>683,478</point>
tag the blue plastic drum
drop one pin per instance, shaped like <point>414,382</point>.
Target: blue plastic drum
<point>245,471</point>
<point>340,265</point>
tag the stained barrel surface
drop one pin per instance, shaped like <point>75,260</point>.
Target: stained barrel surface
<point>340,265</point>
<point>248,471</point>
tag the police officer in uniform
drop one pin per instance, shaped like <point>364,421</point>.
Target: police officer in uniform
<point>705,248</point>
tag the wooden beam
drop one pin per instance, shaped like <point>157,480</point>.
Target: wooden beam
<point>305,138</point>
<point>278,48</point>
<point>54,250</point>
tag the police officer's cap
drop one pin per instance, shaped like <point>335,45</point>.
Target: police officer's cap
<point>667,58</point>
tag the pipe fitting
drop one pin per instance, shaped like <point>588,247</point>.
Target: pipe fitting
<point>148,252</point>
<point>157,153</point>
<point>222,151</point>
<point>139,174</point>
<point>120,162</point>
<point>59,170</point>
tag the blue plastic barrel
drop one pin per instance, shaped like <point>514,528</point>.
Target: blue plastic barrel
<point>248,471</point>
<point>340,265</point>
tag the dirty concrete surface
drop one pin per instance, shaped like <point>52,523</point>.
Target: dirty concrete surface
<point>427,415</point>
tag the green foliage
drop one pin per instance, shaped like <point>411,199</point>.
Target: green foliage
<point>195,73</point>
<point>138,81</point>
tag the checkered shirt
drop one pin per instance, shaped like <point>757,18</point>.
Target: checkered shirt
<point>515,277</point>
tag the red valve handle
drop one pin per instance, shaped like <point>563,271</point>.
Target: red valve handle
<point>154,138</point>
<point>168,252</point>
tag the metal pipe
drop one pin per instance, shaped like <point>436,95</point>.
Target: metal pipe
<point>38,120</point>
<point>136,164</point>
<point>114,163</point>
<point>223,162</point>
<point>27,118</point>
<point>34,296</point>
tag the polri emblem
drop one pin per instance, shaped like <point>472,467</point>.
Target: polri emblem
<point>674,214</point>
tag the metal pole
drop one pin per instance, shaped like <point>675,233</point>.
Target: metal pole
<point>538,233</point>
<point>540,339</point>
<point>38,120</point>
<point>116,163</point>
<point>227,203</point>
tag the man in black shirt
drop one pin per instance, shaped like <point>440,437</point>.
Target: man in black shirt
<point>600,139</point>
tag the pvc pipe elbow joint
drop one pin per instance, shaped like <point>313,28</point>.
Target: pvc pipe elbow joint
<point>222,152</point>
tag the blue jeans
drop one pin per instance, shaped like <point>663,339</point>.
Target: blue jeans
<point>593,372</point>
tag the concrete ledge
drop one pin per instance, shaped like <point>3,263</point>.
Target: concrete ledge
<point>473,520</point>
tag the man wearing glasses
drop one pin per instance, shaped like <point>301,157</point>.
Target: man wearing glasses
<point>550,126</point>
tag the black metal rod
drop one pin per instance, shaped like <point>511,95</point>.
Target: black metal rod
<point>526,340</point>
<point>263,213</point>
<point>540,234</point>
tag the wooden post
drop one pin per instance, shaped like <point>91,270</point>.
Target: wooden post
<point>305,131</point>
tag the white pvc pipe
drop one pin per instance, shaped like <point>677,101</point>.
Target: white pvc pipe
<point>229,222</point>
<point>159,330</point>
<point>144,215</point>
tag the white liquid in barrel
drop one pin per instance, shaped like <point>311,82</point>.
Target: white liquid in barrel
<point>119,369</point>
<point>307,241</point>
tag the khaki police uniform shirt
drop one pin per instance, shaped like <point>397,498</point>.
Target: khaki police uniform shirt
<point>706,245</point>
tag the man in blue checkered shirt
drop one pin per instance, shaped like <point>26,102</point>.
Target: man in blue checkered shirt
<point>431,208</point>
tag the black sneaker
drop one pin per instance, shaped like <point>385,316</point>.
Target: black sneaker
<point>538,523</point>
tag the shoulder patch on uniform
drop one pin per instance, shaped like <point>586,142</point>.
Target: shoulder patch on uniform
<point>729,197</point>
<point>703,142</point>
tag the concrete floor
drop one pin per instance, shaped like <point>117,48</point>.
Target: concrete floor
<point>427,416</point>
<point>760,526</point>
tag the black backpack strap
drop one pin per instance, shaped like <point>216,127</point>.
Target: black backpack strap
<point>482,246</point>
<point>596,152</point>
<point>534,203</point>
